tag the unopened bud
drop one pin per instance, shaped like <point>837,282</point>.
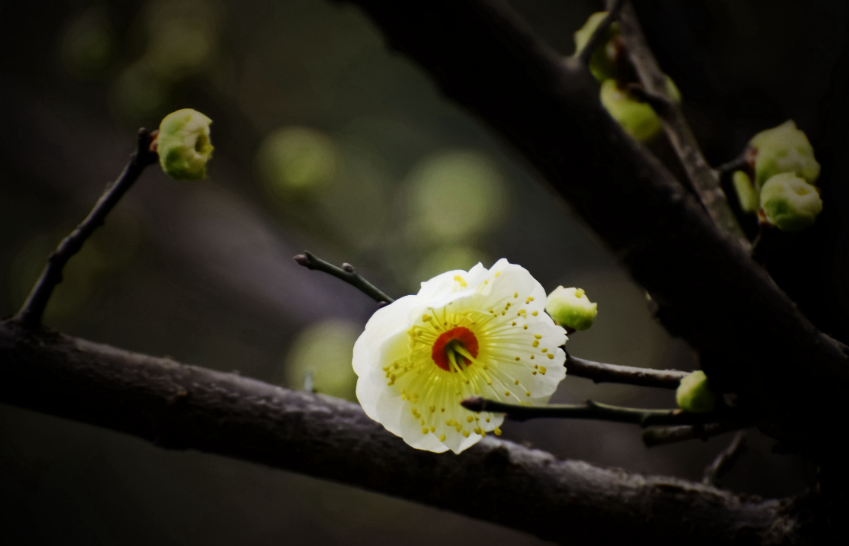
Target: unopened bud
<point>694,394</point>
<point>638,119</point>
<point>746,192</point>
<point>603,62</point>
<point>784,149</point>
<point>183,144</point>
<point>570,307</point>
<point>789,203</point>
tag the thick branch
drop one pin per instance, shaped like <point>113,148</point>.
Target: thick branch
<point>707,288</point>
<point>614,373</point>
<point>186,407</point>
<point>681,137</point>
<point>33,309</point>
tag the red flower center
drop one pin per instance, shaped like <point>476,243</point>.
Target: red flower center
<point>444,344</point>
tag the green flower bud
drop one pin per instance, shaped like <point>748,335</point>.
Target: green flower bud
<point>694,394</point>
<point>183,144</point>
<point>638,119</point>
<point>603,61</point>
<point>746,192</point>
<point>570,307</point>
<point>784,149</point>
<point>790,203</point>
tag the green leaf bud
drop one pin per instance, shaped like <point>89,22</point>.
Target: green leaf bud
<point>603,61</point>
<point>746,192</point>
<point>790,203</point>
<point>694,394</point>
<point>638,119</point>
<point>183,144</point>
<point>784,149</point>
<point>570,307</point>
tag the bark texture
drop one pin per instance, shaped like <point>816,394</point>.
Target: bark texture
<point>176,406</point>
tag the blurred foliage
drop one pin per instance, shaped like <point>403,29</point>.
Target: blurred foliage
<point>296,162</point>
<point>455,196</point>
<point>324,351</point>
<point>88,43</point>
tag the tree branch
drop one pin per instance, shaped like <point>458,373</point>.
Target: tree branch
<point>707,287</point>
<point>658,436</point>
<point>602,412</point>
<point>346,273</point>
<point>614,373</point>
<point>33,309</point>
<point>725,460</point>
<point>185,407</point>
<point>704,179</point>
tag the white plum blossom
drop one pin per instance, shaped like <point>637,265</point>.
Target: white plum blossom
<point>483,333</point>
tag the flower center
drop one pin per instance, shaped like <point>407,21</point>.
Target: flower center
<point>456,346</point>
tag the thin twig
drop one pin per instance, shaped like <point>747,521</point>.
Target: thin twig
<point>659,436</point>
<point>346,273</point>
<point>33,309</point>
<point>599,33</point>
<point>599,412</point>
<point>704,179</point>
<point>725,460</point>
<point>738,163</point>
<point>613,373</point>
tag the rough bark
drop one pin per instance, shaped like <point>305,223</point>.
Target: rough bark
<point>176,406</point>
<point>752,338</point>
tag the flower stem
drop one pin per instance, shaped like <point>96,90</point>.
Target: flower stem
<point>346,273</point>
<point>33,309</point>
<point>658,436</point>
<point>613,373</point>
<point>601,412</point>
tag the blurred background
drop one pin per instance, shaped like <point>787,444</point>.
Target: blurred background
<point>327,141</point>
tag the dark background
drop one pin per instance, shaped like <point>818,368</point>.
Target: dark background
<point>386,175</point>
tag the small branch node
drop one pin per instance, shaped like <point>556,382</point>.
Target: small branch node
<point>347,273</point>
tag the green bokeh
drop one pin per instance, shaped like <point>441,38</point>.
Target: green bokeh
<point>324,350</point>
<point>296,162</point>
<point>456,195</point>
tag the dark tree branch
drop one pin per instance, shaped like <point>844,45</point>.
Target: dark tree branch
<point>33,309</point>
<point>346,273</point>
<point>614,373</point>
<point>725,460</point>
<point>707,287</point>
<point>658,436</point>
<point>186,407</point>
<point>603,412</point>
<point>704,179</point>
<point>599,33</point>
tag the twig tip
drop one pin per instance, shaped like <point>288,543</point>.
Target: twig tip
<point>475,403</point>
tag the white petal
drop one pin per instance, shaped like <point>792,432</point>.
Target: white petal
<point>385,322</point>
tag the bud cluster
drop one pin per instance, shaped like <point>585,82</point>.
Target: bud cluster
<point>610,65</point>
<point>779,179</point>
